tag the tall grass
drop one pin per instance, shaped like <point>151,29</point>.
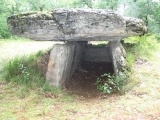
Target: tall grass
<point>23,70</point>
<point>140,47</point>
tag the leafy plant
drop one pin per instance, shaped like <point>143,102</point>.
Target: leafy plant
<point>108,83</point>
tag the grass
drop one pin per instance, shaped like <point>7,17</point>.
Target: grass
<point>17,102</point>
<point>144,46</point>
<point>23,70</point>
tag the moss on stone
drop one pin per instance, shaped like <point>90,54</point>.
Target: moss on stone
<point>37,15</point>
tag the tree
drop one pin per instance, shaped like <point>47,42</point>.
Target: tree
<point>83,3</point>
<point>108,4</point>
<point>63,4</point>
<point>12,6</point>
<point>6,8</point>
<point>39,5</point>
<point>146,10</point>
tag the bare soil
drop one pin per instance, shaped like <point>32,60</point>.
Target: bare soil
<point>84,79</point>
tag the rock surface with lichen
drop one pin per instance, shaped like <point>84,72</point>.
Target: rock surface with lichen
<point>75,25</point>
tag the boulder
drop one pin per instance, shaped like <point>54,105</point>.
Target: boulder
<point>75,25</point>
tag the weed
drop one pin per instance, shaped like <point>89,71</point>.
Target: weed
<point>108,83</point>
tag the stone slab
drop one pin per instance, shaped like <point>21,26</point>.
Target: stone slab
<point>78,55</point>
<point>60,64</point>
<point>75,25</point>
<point>97,54</point>
<point>64,60</point>
<point>118,54</point>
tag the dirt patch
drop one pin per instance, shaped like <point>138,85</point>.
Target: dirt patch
<point>140,61</point>
<point>83,80</point>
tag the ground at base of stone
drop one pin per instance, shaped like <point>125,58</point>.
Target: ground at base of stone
<point>83,81</point>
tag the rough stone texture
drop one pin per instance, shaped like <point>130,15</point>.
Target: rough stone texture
<point>97,54</point>
<point>75,25</point>
<point>118,56</point>
<point>64,59</point>
<point>60,64</point>
<point>78,55</point>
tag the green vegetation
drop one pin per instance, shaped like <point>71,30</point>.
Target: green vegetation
<point>100,45</point>
<point>139,50</point>
<point>4,33</point>
<point>140,47</point>
<point>148,11</point>
<point>23,70</point>
<point>108,83</point>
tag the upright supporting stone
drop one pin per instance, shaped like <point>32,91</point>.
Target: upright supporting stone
<point>78,54</point>
<point>60,64</point>
<point>117,55</point>
<point>97,54</point>
<point>64,59</point>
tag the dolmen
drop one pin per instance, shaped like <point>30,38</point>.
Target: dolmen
<point>76,27</point>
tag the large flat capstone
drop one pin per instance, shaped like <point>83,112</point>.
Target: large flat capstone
<point>75,25</point>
